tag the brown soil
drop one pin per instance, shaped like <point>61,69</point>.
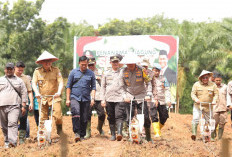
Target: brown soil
<point>175,141</point>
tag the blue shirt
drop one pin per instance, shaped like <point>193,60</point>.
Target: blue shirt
<point>82,89</point>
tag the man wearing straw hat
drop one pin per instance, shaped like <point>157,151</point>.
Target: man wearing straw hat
<point>133,81</point>
<point>203,91</point>
<point>50,82</point>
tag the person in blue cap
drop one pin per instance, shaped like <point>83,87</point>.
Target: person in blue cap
<point>162,97</point>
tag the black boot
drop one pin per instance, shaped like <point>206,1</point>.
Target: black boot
<point>220,133</point>
<point>119,135</point>
<point>99,127</point>
<point>112,129</point>
<point>59,128</point>
<point>148,134</point>
<point>76,128</point>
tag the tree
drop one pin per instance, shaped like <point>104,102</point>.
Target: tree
<point>22,32</point>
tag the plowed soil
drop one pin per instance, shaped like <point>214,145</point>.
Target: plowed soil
<point>175,141</point>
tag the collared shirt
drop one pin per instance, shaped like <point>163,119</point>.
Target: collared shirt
<point>8,95</point>
<point>204,93</point>
<point>221,104</point>
<point>98,75</point>
<point>110,88</point>
<point>48,81</point>
<point>82,89</point>
<point>161,90</point>
<point>133,83</point>
<point>27,82</point>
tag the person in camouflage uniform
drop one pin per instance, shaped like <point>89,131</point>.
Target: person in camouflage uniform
<point>162,97</point>
<point>97,101</point>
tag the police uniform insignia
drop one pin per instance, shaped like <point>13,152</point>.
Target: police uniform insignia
<point>210,91</point>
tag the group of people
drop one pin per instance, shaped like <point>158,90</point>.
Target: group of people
<point>110,93</point>
<point>116,90</point>
<point>212,100</point>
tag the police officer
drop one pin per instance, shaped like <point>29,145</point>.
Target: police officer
<point>81,84</point>
<point>203,91</point>
<point>97,100</point>
<point>112,98</point>
<point>50,82</point>
<point>12,93</point>
<point>162,97</point>
<point>133,81</point>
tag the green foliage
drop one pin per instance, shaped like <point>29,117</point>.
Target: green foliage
<point>24,36</point>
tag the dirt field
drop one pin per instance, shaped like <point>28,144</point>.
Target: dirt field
<point>175,141</point>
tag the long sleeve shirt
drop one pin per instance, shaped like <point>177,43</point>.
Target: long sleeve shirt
<point>222,99</point>
<point>111,90</point>
<point>98,75</point>
<point>204,93</point>
<point>8,95</point>
<point>81,90</point>
<point>161,90</point>
<point>133,84</point>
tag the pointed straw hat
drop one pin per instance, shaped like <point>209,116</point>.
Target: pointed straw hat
<point>205,72</point>
<point>46,56</point>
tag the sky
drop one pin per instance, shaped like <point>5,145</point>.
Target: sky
<point>101,11</point>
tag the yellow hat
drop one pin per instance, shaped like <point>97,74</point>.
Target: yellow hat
<point>46,56</point>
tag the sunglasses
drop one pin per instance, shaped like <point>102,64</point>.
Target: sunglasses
<point>90,65</point>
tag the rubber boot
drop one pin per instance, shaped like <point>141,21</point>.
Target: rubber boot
<point>125,129</point>
<point>220,133</point>
<point>22,134</point>
<point>161,125</point>
<point>99,127</point>
<point>156,127</point>
<point>59,129</point>
<point>148,134</point>
<point>112,130</point>
<point>88,130</point>
<point>213,136</point>
<point>194,132</point>
<point>119,132</point>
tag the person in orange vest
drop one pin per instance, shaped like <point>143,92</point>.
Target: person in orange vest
<point>136,86</point>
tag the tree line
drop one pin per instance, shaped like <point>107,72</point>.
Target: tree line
<point>202,45</point>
